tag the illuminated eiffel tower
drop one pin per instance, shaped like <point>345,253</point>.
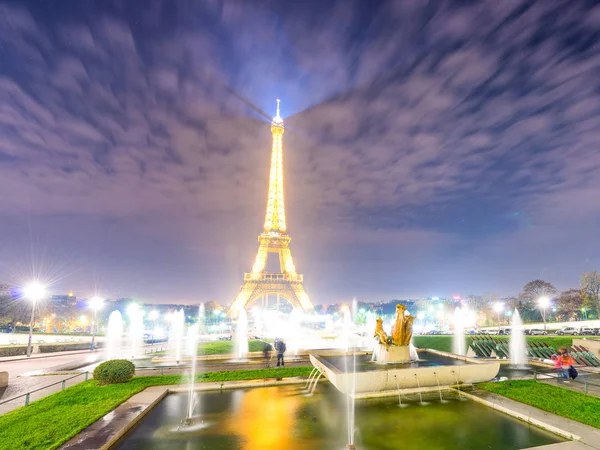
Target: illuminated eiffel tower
<point>286,283</point>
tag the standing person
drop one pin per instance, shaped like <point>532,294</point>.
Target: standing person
<point>280,347</point>
<point>267,354</point>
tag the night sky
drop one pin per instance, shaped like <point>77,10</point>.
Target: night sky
<point>433,148</point>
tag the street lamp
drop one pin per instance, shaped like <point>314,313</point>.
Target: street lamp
<point>96,304</point>
<point>33,292</point>
<point>498,307</point>
<point>544,302</point>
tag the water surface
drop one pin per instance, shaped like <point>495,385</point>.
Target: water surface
<point>280,418</point>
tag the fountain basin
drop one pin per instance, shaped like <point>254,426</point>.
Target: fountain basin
<point>435,368</point>
<point>281,418</point>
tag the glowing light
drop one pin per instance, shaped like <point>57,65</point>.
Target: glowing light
<point>420,315</point>
<point>435,298</point>
<point>498,307</point>
<point>154,314</point>
<point>83,320</point>
<point>34,292</point>
<point>277,119</point>
<point>132,309</point>
<point>544,302</point>
<point>275,218</point>
<point>96,303</point>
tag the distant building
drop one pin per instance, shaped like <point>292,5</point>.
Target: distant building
<point>64,299</point>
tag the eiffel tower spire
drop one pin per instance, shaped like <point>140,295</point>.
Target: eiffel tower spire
<point>275,217</point>
<point>287,283</point>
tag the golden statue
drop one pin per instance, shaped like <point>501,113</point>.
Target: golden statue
<point>398,328</point>
<point>402,329</point>
<point>407,331</point>
<point>379,331</point>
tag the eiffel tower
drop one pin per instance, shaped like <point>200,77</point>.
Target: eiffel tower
<point>287,283</point>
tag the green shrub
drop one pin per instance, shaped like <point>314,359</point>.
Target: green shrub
<point>51,348</point>
<point>114,371</point>
<point>13,351</point>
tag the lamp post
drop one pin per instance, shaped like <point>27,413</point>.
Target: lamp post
<point>96,304</point>
<point>544,302</point>
<point>498,307</point>
<point>33,292</point>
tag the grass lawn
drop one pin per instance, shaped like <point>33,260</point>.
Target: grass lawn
<point>554,399</point>
<point>224,347</point>
<point>444,343</point>
<point>50,422</point>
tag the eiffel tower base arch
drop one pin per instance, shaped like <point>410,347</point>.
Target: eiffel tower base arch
<point>253,290</point>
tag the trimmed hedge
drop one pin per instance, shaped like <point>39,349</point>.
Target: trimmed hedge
<point>51,348</point>
<point>13,351</point>
<point>114,371</point>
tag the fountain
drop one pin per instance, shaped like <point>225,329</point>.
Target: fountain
<point>114,335</point>
<point>193,345</point>
<point>395,348</point>
<point>517,348</point>
<point>241,335</point>
<point>346,330</point>
<point>394,360</point>
<point>176,333</point>
<point>294,330</point>
<point>136,331</point>
<point>351,405</point>
<point>201,318</point>
<point>458,342</point>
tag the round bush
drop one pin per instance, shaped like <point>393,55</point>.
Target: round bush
<point>114,371</point>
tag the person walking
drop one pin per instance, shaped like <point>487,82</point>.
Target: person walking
<point>281,348</point>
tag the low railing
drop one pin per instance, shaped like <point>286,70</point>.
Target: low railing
<point>63,384</point>
<point>580,382</point>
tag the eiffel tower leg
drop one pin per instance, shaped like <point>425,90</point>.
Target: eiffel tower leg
<point>242,299</point>
<point>302,297</point>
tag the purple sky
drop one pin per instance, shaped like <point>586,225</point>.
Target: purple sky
<point>433,148</point>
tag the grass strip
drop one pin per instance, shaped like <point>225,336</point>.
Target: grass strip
<point>50,422</point>
<point>222,348</point>
<point>554,399</point>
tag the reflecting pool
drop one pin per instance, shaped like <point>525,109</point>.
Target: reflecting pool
<point>282,418</point>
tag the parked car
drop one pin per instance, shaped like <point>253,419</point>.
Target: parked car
<point>596,331</point>
<point>537,332</point>
<point>567,330</point>
<point>586,331</point>
<point>507,331</point>
<point>493,331</point>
